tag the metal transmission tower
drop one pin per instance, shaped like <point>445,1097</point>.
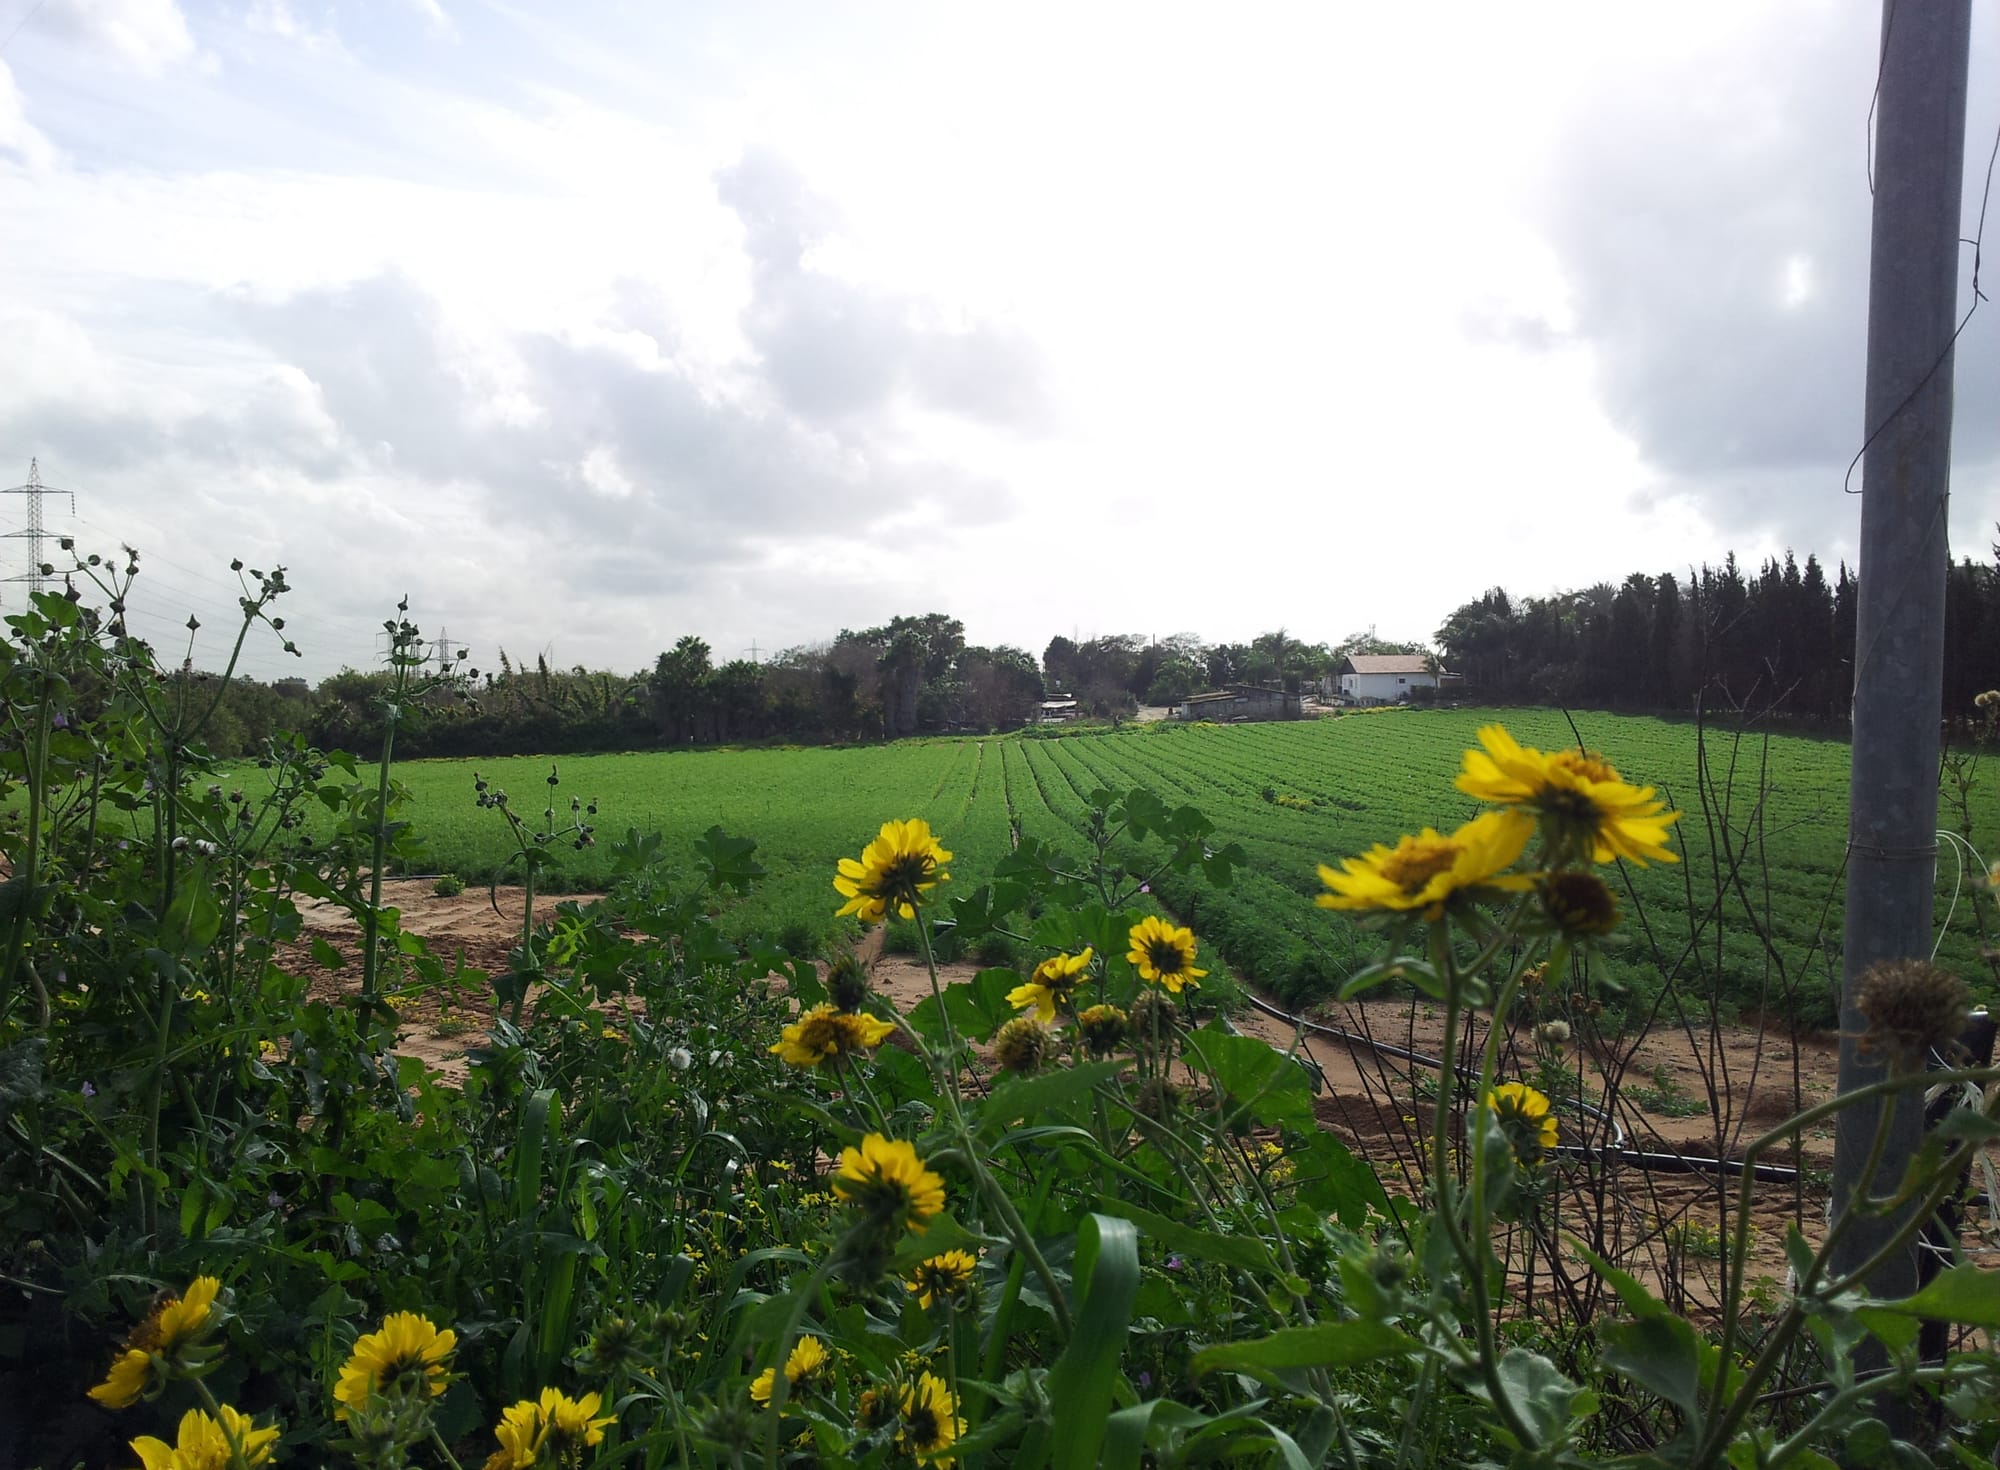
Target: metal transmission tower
<point>33,533</point>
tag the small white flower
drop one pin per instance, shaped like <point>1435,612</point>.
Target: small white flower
<point>680,1059</point>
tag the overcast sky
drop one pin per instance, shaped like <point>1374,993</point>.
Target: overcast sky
<point>588,325</point>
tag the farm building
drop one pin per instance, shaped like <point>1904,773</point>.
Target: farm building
<point>1056,711</point>
<point>1239,702</point>
<point>1385,678</point>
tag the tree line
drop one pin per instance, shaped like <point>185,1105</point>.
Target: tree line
<point>1780,640</point>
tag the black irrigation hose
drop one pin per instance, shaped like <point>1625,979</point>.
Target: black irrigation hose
<point>1617,1151</point>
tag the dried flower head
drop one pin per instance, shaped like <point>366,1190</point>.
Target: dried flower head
<point>1579,903</point>
<point>847,982</point>
<point>1912,1008</point>
<point>1102,1028</point>
<point>1023,1044</point>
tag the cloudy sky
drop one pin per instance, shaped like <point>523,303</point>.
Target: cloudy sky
<point>590,324</point>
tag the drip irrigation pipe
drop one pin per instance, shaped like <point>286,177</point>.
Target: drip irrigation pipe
<point>1618,1150</point>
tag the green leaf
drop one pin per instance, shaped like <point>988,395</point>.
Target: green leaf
<point>1798,1254</point>
<point>1896,1330</point>
<point>1326,1345</point>
<point>1659,1353</point>
<point>1416,972</point>
<point>1035,1098</point>
<point>1128,1432</point>
<point>1331,1179</point>
<point>1962,1294</point>
<point>1080,1384</point>
<point>539,1117</point>
<point>1541,1397</point>
<point>325,955</point>
<point>977,1007</point>
<point>1245,1251</point>
<point>1270,1086</point>
<point>1966,1123</point>
<point>195,918</point>
<point>726,860</point>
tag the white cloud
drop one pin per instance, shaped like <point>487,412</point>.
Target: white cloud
<point>649,320</point>
<point>18,136</point>
<point>145,35</point>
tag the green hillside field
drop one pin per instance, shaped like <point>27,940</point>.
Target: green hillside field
<point>1762,835</point>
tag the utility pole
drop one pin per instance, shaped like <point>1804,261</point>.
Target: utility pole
<point>33,533</point>
<point>1899,636</point>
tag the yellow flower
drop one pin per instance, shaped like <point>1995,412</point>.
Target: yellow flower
<point>131,1373</point>
<point>571,1423</point>
<point>408,1352</point>
<point>895,870</point>
<point>1524,1114</point>
<point>1578,794</point>
<point>946,1277</point>
<point>886,1178</point>
<point>170,1329</point>
<point>807,1359</point>
<point>203,1443</point>
<point>825,1034</point>
<point>1164,955</point>
<point>520,1432</point>
<point>1052,986</point>
<point>930,1419</point>
<point>1426,871</point>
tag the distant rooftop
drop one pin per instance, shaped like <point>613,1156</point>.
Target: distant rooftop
<point>1389,663</point>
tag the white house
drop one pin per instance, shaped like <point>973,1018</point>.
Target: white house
<point>1385,678</point>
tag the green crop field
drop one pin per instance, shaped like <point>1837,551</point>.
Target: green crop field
<point>1293,795</point>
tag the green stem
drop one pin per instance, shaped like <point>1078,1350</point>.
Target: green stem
<point>1782,1335</point>
<point>1445,1186</point>
<point>442,1448</point>
<point>371,916</point>
<point>948,1072</point>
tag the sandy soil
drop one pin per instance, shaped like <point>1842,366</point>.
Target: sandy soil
<point>1659,1222</point>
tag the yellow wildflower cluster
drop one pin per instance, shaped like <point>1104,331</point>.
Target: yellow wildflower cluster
<point>172,1342</point>
<point>407,1356</point>
<point>886,1180</point>
<point>805,1365</point>
<point>1585,811</point>
<point>554,1425</point>
<point>205,1443</point>
<point>893,873</point>
<point>168,1341</point>
<point>824,1034</point>
<point>1163,953</point>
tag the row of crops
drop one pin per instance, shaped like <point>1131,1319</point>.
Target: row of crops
<point>1763,831</point>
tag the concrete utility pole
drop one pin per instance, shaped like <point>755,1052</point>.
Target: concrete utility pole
<point>1899,637</point>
